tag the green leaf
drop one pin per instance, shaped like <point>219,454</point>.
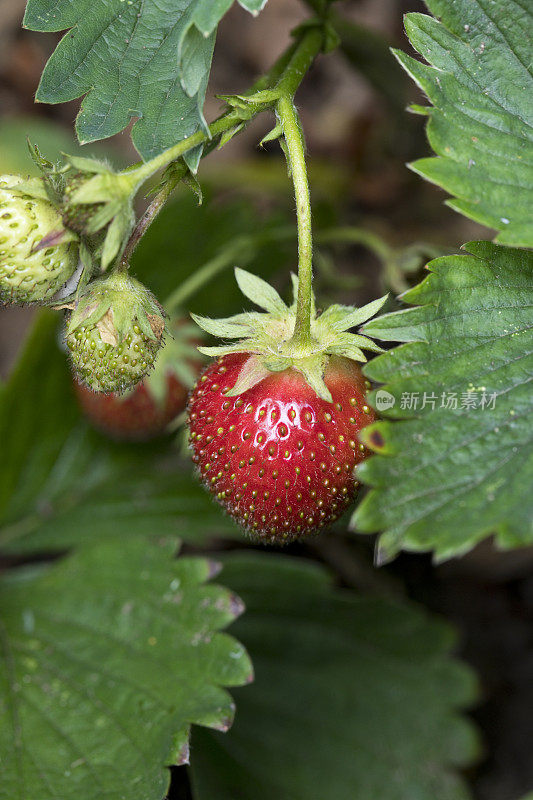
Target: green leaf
<point>107,660</point>
<point>62,484</point>
<point>447,476</point>
<point>481,127</point>
<point>132,59</point>
<point>354,697</point>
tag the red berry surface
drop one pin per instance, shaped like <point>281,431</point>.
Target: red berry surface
<point>136,416</point>
<point>277,457</point>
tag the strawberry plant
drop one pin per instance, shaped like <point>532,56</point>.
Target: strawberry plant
<point>370,402</point>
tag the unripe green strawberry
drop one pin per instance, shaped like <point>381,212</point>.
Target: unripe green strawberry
<point>114,333</point>
<point>145,412</point>
<point>28,275</point>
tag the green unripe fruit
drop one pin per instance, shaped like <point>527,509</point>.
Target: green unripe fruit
<point>27,276</point>
<point>114,333</point>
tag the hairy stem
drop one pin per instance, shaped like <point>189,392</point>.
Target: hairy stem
<point>286,75</point>
<point>149,215</point>
<point>295,151</point>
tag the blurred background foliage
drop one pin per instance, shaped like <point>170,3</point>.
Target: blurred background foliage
<point>359,138</point>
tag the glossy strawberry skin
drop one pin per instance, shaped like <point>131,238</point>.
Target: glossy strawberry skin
<point>278,458</point>
<point>136,416</point>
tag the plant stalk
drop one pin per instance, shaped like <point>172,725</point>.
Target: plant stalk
<point>295,152</point>
<point>286,74</point>
<point>148,217</point>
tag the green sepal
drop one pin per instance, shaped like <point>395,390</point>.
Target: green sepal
<point>252,372</point>
<point>229,134</point>
<point>342,318</point>
<point>277,363</point>
<point>268,337</point>
<point>84,164</point>
<point>313,371</point>
<point>56,237</point>
<point>272,135</point>
<point>260,292</point>
<point>225,349</point>
<point>229,328</point>
<point>104,187</point>
<point>116,236</point>
<point>354,340</point>
<point>128,301</point>
<point>191,181</point>
<point>85,314</point>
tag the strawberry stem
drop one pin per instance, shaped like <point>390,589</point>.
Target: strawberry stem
<point>295,153</point>
<point>286,75</point>
<point>148,217</point>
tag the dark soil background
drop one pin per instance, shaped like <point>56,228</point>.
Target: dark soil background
<point>367,134</point>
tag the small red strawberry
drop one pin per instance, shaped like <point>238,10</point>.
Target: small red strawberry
<point>274,423</point>
<point>135,416</point>
<point>278,457</point>
<point>145,411</point>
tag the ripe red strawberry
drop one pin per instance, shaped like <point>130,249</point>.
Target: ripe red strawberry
<point>274,422</point>
<point>136,416</point>
<point>146,410</point>
<point>278,457</point>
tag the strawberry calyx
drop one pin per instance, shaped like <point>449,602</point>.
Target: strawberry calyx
<point>97,198</point>
<point>269,339</point>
